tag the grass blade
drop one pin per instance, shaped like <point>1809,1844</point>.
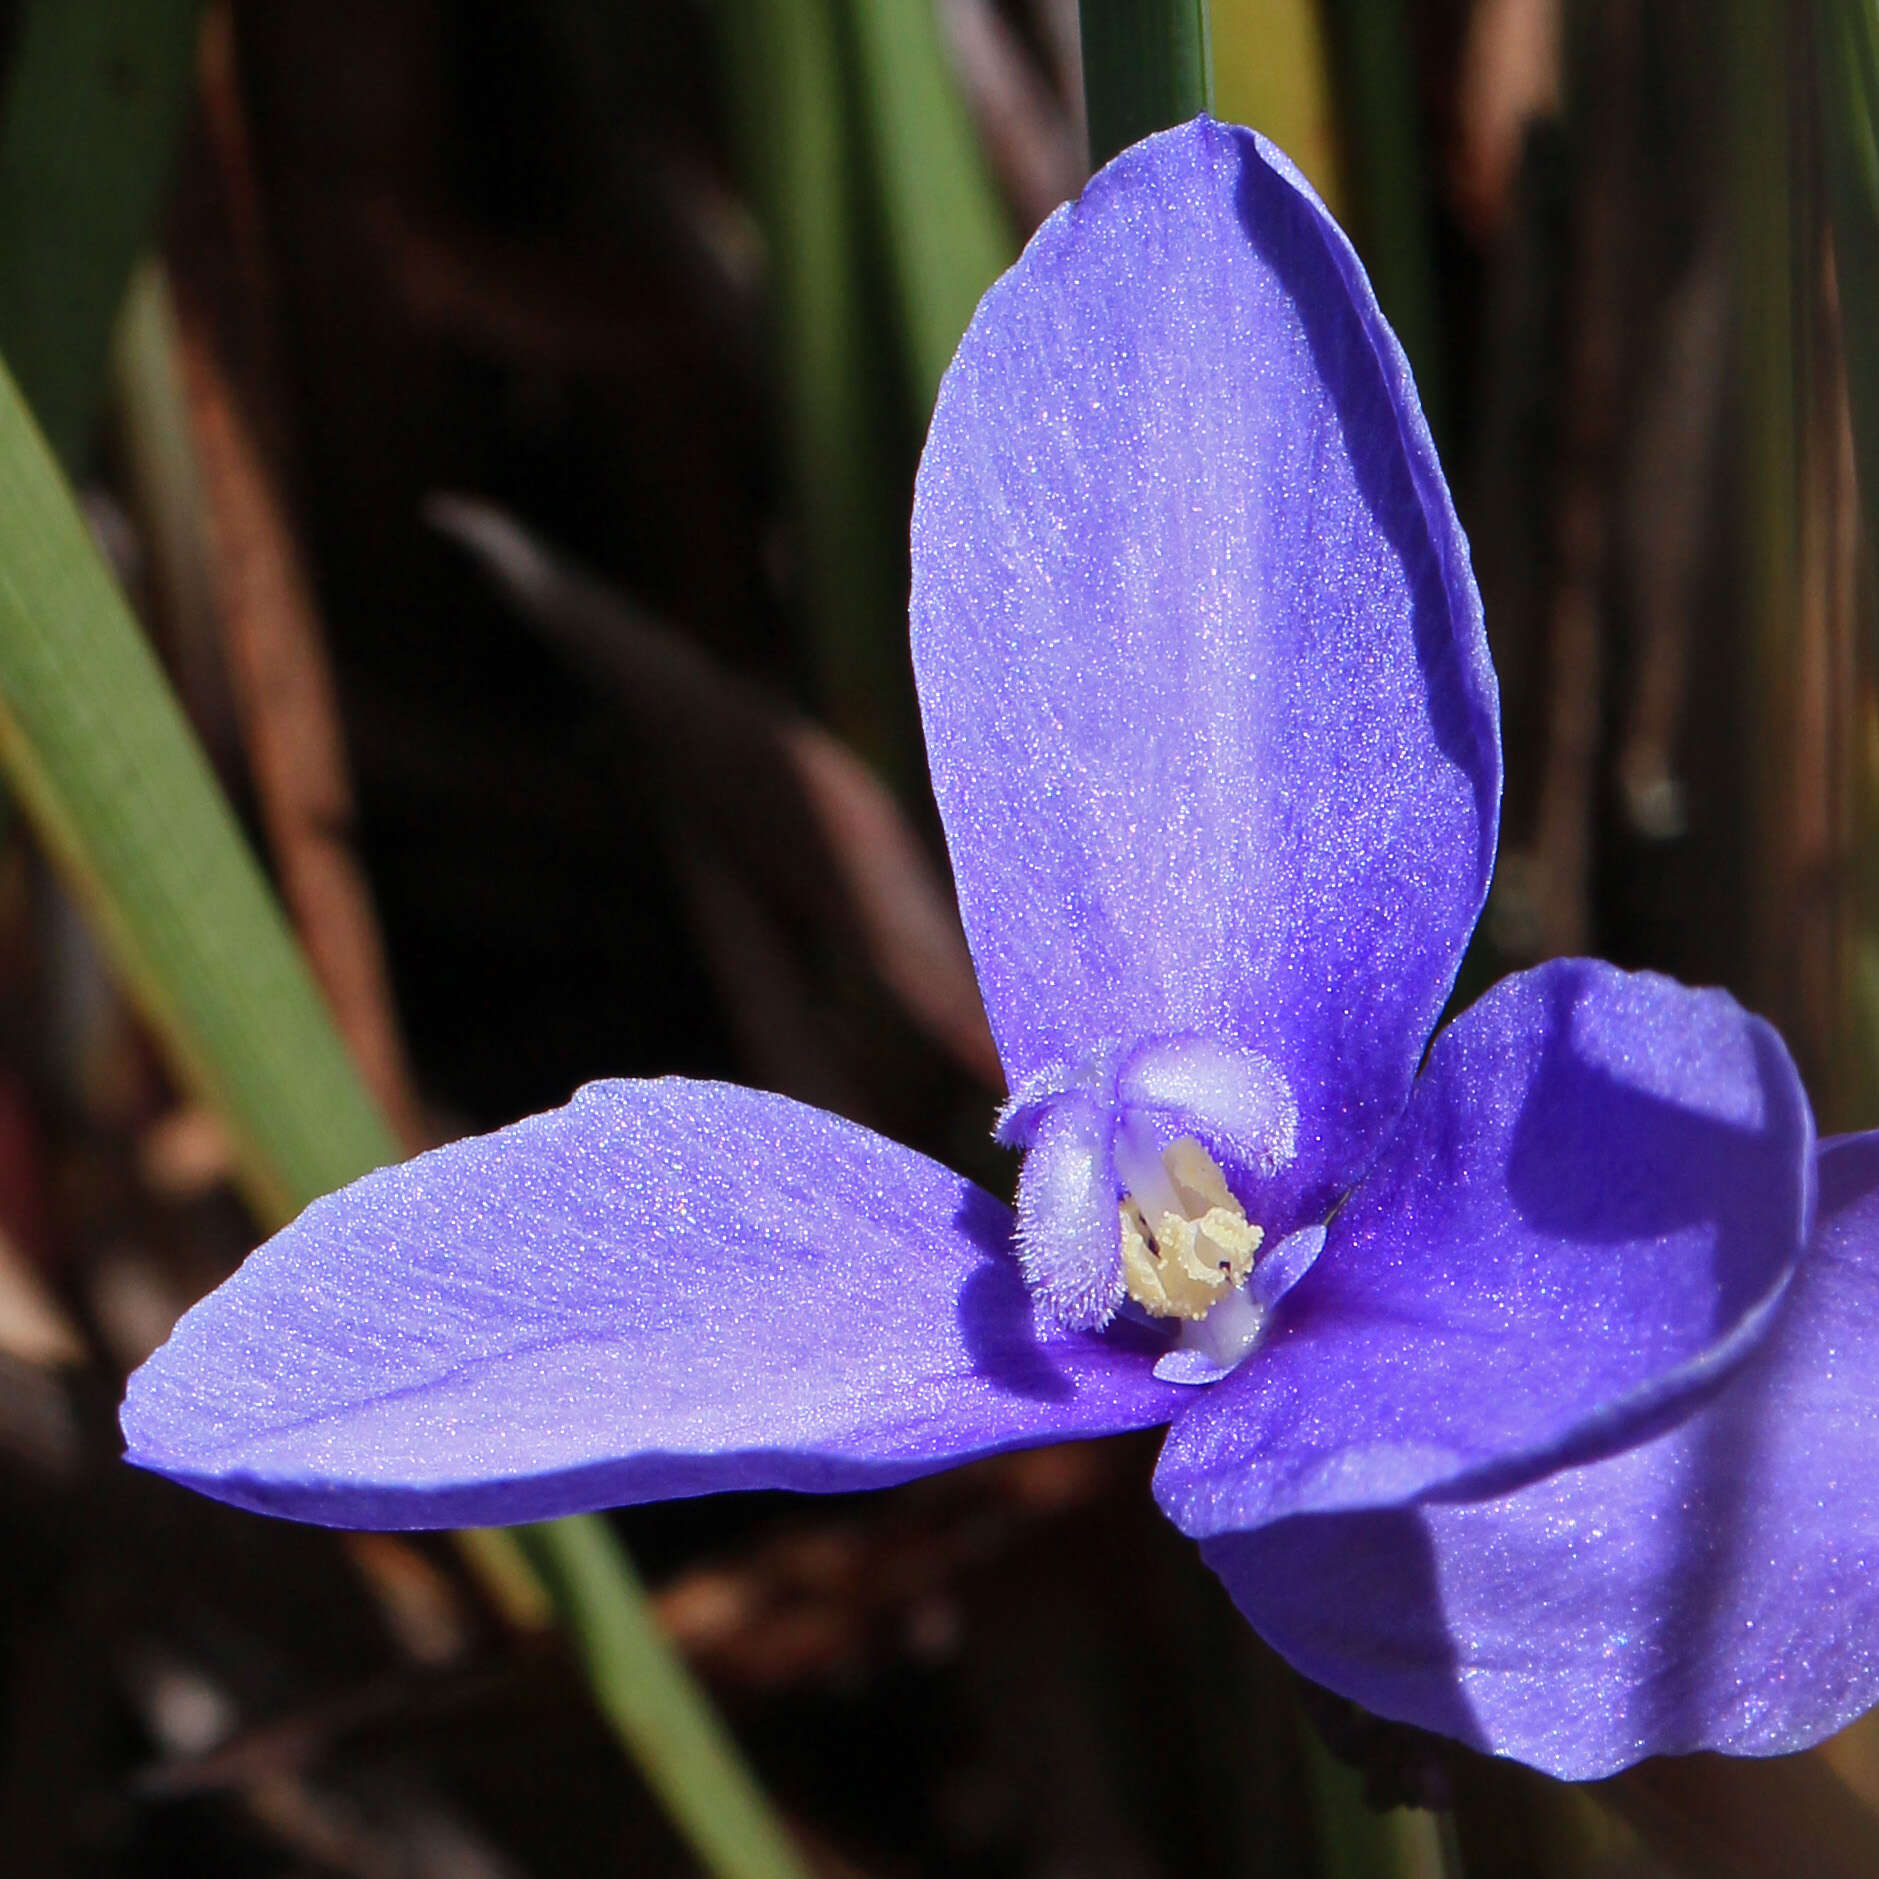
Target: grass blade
<point>1357,1842</point>
<point>791,108</point>
<point>1146,64</point>
<point>651,1702</point>
<point>95,97</point>
<point>97,751</point>
<point>1388,172</point>
<point>948,237</point>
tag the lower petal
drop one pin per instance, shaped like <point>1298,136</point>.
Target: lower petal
<point>1714,1588</point>
<point>1586,1218</point>
<point>663,1289</point>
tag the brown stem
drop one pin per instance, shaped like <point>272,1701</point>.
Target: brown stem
<point>290,725</point>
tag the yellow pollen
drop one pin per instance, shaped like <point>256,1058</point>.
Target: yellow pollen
<point>1185,1260</point>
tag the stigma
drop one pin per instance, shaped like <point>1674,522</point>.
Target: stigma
<point>1187,1245</point>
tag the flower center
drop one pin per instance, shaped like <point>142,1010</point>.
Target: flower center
<point>1186,1242</point>
<point>1121,1196</point>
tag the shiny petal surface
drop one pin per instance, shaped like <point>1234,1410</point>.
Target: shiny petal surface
<point>1597,1195</point>
<point>1714,1588</point>
<point>1207,699</point>
<point>663,1289</point>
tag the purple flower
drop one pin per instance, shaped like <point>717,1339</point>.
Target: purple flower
<point>1517,1393</point>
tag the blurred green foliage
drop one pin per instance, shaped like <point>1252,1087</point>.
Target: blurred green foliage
<point>95,98</point>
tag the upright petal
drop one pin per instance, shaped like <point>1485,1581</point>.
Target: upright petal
<point>1714,1588</point>
<point>663,1289</point>
<point>1207,699</point>
<point>1587,1217</point>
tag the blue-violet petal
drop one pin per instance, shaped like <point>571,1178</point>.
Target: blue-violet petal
<point>1714,1588</point>
<point>1208,703</point>
<point>1597,1195</point>
<point>663,1289</point>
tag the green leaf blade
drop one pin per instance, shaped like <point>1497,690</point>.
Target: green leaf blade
<point>95,745</point>
<point>95,99</point>
<point>1147,64</point>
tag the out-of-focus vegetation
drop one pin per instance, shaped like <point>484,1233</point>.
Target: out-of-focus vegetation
<point>495,429</point>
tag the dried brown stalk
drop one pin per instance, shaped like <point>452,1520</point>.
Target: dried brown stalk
<point>1826,698</point>
<point>1034,144</point>
<point>1510,78</point>
<point>1669,480</point>
<point>773,812</point>
<point>290,724</point>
